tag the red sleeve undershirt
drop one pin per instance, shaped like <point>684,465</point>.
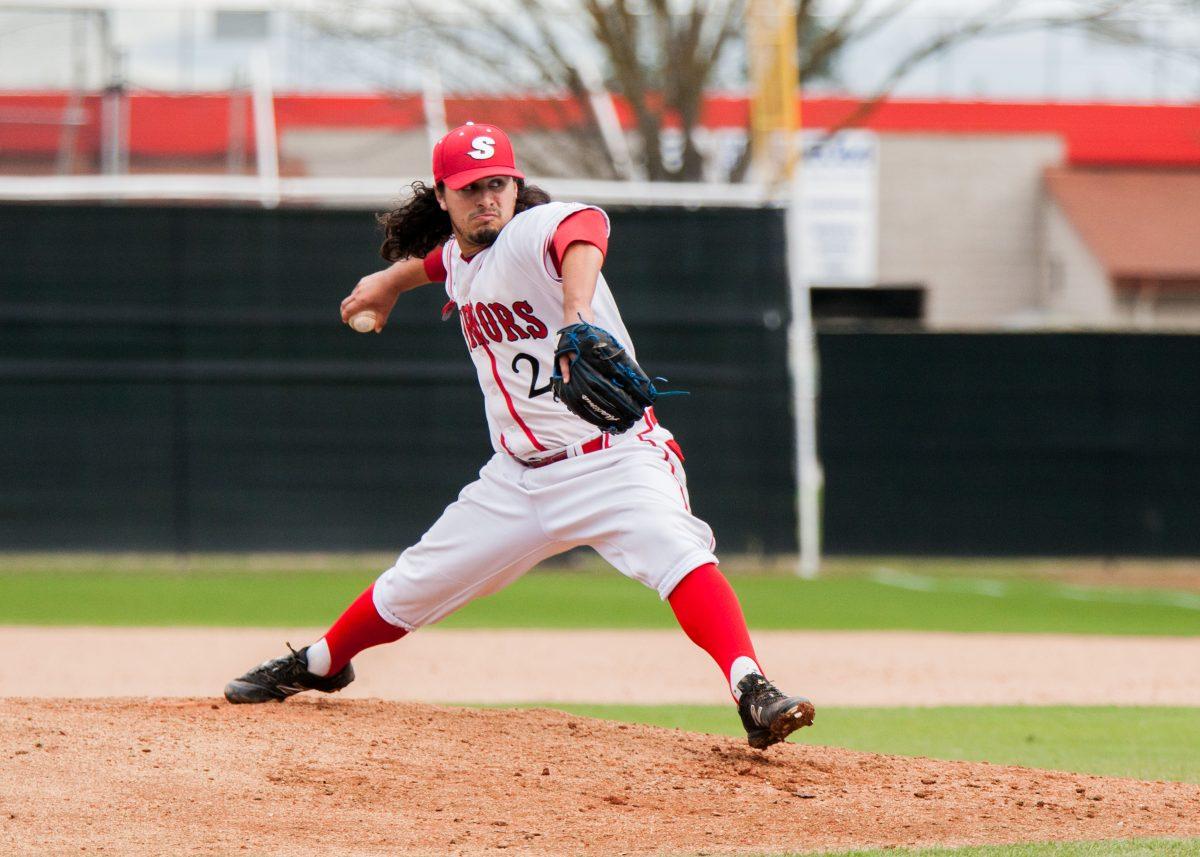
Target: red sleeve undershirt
<point>588,226</point>
<point>435,269</point>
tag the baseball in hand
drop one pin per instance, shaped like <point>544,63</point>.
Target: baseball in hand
<point>363,322</point>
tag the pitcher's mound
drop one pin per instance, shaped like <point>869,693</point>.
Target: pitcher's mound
<point>367,777</point>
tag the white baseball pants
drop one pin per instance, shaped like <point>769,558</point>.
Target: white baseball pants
<point>629,502</point>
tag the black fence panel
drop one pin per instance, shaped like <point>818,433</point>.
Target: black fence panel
<point>177,378</point>
<point>1011,444</point>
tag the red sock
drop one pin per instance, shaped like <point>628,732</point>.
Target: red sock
<point>360,627</point>
<point>709,613</point>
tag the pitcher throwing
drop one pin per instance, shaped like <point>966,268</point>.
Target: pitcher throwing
<point>602,472</point>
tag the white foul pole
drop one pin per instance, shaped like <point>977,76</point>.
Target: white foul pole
<point>433,101</point>
<point>266,143</point>
<point>802,357</point>
<point>775,125</point>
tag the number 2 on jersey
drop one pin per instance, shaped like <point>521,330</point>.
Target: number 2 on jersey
<point>535,368</point>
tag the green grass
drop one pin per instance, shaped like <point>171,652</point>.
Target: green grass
<point>226,591</point>
<point>1120,848</point>
<point>1144,743</point>
<point>268,599</point>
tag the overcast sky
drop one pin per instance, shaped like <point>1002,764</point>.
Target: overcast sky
<point>172,46</point>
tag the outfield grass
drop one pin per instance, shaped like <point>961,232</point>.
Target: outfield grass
<point>224,592</point>
<point>1145,743</point>
<point>1126,848</point>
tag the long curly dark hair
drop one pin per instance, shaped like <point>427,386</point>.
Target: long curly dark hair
<point>419,225</point>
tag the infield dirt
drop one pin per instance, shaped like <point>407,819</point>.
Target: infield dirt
<point>833,668</point>
<point>373,777</point>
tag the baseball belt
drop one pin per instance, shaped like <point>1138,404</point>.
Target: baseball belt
<point>594,445</point>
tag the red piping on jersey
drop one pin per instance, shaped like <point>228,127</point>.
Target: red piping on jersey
<point>449,279</point>
<point>545,252</point>
<point>512,409</point>
<point>504,445</point>
<point>651,422</point>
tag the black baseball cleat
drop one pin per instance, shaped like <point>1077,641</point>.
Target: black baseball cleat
<point>768,715</point>
<point>283,677</point>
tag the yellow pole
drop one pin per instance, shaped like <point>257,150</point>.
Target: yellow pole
<point>771,38</point>
<point>777,158</point>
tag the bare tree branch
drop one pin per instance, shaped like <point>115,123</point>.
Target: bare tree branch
<point>983,24</point>
<point>661,56</point>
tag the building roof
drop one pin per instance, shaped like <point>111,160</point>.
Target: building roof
<point>1139,223</point>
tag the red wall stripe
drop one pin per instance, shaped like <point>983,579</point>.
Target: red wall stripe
<point>197,125</point>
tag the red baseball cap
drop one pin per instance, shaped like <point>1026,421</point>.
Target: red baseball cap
<point>471,152</point>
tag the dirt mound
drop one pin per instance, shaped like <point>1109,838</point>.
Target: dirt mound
<point>370,777</point>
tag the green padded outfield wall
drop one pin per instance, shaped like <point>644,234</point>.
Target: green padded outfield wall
<point>1010,443</point>
<point>176,378</point>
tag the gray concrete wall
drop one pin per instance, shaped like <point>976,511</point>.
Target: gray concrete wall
<point>357,152</point>
<point>366,152</point>
<point>959,214</point>
<point>1075,289</point>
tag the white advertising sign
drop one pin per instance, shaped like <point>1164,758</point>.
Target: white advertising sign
<point>839,190</point>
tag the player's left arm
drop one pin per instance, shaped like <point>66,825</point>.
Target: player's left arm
<point>578,250</point>
<point>580,270</point>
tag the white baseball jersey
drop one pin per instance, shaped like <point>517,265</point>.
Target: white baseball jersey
<point>626,497</point>
<point>510,302</point>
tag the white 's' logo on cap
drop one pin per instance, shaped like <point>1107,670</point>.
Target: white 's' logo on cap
<point>482,148</point>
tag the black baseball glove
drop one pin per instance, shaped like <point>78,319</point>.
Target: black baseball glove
<point>607,387</point>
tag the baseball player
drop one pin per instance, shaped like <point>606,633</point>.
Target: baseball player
<point>516,267</point>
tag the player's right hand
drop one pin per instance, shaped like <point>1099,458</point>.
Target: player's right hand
<point>376,292</point>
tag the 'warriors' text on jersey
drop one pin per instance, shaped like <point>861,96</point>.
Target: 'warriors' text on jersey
<point>510,302</point>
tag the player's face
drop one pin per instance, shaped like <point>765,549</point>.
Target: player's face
<point>481,209</point>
